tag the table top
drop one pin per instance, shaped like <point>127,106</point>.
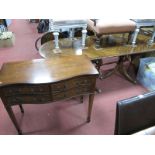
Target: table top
<point>46,50</point>
<point>46,70</point>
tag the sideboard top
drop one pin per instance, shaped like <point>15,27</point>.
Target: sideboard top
<point>46,70</point>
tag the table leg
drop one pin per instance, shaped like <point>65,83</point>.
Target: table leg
<point>134,37</point>
<point>153,36</point>
<point>121,68</point>
<point>81,99</point>
<point>56,39</point>
<point>13,118</point>
<point>109,73</point>
<point>84,33</point>
<point>98,63</point>
<point>97,42</point>
<point>71,33</point>
<point>21,108</point>
<point>91,99</point>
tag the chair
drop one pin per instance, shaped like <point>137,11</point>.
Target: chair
<point>49,36</point>
<point>103,27</point>
<point>136,115</point>
<point>108,27</point>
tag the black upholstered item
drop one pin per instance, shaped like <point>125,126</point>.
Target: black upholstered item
<point>135,114</point>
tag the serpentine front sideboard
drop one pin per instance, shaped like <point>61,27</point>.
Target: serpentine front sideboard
<point>46,80</point>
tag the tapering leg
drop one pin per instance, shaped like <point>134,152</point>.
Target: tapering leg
<point>21,108</point>
<point>71,34</point>
<point>98,63</point>
<point>152,38</point>
<point>129,37</point>
<point>56,43</point>
<point>13,118</point>
<point>97,42</point>
<point>91,99</point>
<point>134,38</point>
<point>84,35</point>
<point>81,99</point>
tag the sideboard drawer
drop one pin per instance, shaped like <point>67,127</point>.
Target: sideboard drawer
<point>77,82</point>
<point>85,81</point>
<point>59,87</point>
<point>28,89</point>
<point>71,93</point>
<point>13,100</point>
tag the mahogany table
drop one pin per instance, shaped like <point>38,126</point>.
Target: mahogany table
<point>121,50</point>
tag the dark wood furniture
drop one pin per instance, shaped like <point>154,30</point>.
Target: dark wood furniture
<point>119,50</point>
<point>46,80</point>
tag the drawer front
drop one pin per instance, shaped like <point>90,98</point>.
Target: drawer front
<point>12,100</point>
<point>73,83</point>
<point>84,81</point>
<point>71,93</point>
<point>28,89</point>
<point>20,94</point>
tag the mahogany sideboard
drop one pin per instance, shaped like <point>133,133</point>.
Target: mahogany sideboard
<point>46,80</point>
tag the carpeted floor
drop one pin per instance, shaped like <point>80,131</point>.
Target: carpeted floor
<point>65,117</point>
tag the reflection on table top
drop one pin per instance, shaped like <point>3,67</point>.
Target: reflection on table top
<point>119,49</point>
<point>39,71</point>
